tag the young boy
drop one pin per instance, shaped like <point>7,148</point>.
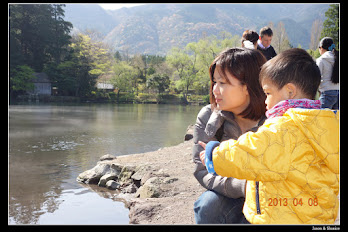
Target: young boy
<point>264,43</point>
<point>291,163</point>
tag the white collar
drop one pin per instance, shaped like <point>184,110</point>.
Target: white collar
<point>261,45</point>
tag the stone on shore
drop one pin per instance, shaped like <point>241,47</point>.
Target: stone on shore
<point>107,157</point>
<point>113,185</point>
<point>143,180</point>
<point>151,188</point>
<point>132,188</point>
<point>124,177</point>
<point>106,178</point>
<point>189,133</point>
<point>140,171</point>
<point>92,176</point>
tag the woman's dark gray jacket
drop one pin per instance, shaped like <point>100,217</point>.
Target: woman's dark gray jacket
<point>217,125</point>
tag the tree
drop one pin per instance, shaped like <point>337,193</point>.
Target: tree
<point>38,34</point>
<point>185,68</point>
<point>331,24</point>
<point>20,79</point>
<point>316,30</point>
<point>122,73</point>
<point>60,31</point>
<point>63,76</point>
<point>118,56</point>
<point>87,61</point>
<point>314,53</point>
<point>140,75</point>
<point>157,81</point>
<point>280,39</point>
<point>206,50</point>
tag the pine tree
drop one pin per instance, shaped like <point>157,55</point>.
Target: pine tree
<point>331,24</point>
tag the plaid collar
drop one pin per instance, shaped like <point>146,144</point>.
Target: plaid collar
<point>280,108</point>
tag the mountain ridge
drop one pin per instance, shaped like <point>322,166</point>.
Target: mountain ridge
<point>155,28</point>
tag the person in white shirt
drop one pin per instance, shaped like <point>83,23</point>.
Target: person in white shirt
<point>249,39</point>
<point>328,64</point>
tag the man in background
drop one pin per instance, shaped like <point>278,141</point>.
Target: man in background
<point>264,43</point>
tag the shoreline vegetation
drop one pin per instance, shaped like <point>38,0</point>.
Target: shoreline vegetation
<point>124,98</point>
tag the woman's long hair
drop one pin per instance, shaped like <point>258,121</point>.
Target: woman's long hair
<point>244,64</point>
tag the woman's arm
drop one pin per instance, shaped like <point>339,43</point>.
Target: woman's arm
<point>229,187</point>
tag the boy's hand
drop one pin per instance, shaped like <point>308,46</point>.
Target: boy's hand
<point>202,144</point>
<point>202,157</point>
<point>202,153</point>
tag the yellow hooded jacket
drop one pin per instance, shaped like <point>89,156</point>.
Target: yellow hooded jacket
<point>292,167</point>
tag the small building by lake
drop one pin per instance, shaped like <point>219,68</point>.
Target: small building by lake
<point>42,84</point>
<point>105,86</point>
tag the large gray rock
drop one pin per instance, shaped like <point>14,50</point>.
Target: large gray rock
<point>140,171</point>
<point>151,188</point>
<point>92,176</point>
<point>132,188</point>
<point>125,175</point>
<point>106,178</point>
<point>152,173</point>
<point>116,168</point>
<point>111,184</point>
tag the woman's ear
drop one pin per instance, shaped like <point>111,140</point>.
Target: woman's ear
<point>292,90</point>
<point>245,88</point>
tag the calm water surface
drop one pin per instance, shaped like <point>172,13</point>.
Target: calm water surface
<point>49,145</point>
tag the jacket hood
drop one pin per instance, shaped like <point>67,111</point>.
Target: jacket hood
<point>321,128</point>
<point>329,57</point>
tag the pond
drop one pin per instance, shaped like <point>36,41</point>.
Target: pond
<point>50,145</point>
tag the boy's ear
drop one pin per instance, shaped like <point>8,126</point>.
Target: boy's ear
<point>292,90</point>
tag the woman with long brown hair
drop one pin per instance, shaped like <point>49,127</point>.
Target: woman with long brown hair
<point>237,106</point>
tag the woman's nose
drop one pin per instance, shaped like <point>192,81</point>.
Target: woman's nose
<point>216,90</point>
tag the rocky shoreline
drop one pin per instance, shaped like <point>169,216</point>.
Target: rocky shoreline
<point>158,187</point>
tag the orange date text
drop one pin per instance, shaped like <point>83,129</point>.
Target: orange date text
<point>292,201</point>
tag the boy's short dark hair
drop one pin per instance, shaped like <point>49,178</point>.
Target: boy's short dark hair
<point>244,64</point>
<point>295,66</point>
<point>266,31</point>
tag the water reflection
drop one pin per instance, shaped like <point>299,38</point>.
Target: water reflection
<point>50,145</point>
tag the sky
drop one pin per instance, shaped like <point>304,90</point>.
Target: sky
<point>114,6</point>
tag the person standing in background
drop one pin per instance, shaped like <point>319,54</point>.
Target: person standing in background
<point>329,69</point>
<point>249,39</point>
<point>264,43</point>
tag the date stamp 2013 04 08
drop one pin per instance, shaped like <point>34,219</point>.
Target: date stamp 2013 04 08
<point>294,201</point>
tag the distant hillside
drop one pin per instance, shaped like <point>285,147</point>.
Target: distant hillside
<point>155,28</point>
<point>90,16</point>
